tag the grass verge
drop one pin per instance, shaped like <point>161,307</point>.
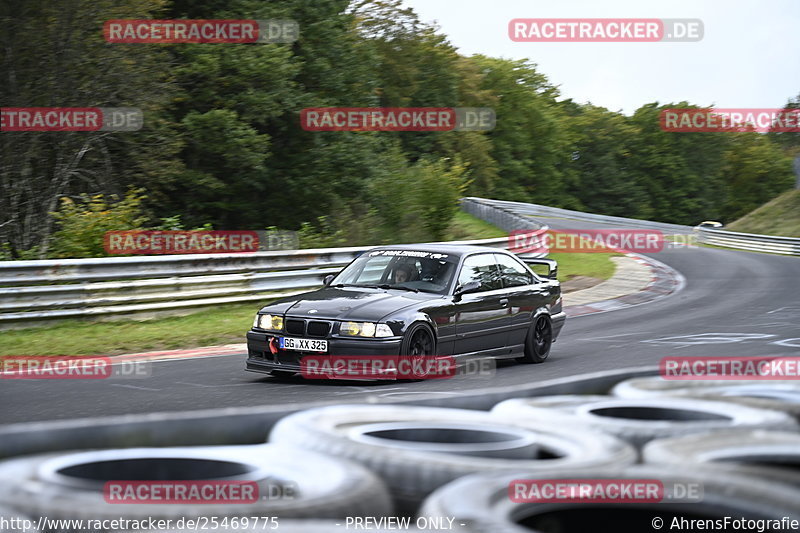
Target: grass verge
<point>780,216</point>
<point>595,265</point>
<point>223,325</point>
<point>466,227</point>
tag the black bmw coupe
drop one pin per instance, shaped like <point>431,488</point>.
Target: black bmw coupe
<point>432,300</point>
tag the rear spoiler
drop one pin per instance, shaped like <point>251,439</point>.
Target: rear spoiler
<point>552,265</point>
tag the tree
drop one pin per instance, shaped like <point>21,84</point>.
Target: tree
<point>680,172</point>
<point>63,61</point>
<point>756,170</point>
<point>529,143</point>
<point>601,157</point>
<point>789,141</point>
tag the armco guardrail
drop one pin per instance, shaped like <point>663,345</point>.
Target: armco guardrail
<point>749,241</point>
<point>517,215</point>
<point>36,292</point>
<point>523,213</point>
<point>497,213</point>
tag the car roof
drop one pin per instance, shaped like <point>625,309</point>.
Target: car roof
<point>453,249</point>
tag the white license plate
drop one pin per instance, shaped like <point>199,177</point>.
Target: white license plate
<point>303,345</point>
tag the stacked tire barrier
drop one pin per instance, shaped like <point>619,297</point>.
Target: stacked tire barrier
<point>418,449</point>
<point>445,465</point>
<point>481,501</point>
<point>773,455</point>
<point>304,484</point>
<point>640,421</point>
<point>778,395</point>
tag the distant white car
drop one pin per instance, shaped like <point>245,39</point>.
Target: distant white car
<point>710,224</point>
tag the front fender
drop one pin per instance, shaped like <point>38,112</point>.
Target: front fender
<point>401,322</point>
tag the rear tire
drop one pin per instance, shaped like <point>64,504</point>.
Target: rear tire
<point>538,341</point>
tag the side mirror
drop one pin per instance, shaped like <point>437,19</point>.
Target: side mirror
<point>470,286</point>
<point>327,280</point>
<point>552,265</point>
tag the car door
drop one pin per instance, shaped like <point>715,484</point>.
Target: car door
<point>524,295</point>
<point>481,318</point>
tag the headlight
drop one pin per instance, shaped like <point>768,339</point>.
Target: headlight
<point>384,331</point>
<point>365,329</point>
<point>271,322</point>
<point>350,328</point>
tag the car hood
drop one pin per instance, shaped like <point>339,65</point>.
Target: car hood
<point>347,303</point>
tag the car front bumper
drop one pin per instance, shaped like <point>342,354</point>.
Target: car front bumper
<point>261,358</point>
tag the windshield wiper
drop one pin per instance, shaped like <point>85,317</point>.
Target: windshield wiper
<point>387,286</point>
<point>381,286</point>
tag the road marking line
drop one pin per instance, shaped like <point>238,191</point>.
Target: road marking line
<point>133,387</point>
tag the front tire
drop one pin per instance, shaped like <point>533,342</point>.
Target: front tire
<point>538,341</point>
<point>418,345</point>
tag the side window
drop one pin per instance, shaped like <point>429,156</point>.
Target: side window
<point>514,274</point>
<point>482,268</point>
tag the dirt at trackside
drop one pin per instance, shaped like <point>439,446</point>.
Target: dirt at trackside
<point>578,283</point>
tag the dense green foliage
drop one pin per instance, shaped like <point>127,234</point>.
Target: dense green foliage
<point>222,142</point>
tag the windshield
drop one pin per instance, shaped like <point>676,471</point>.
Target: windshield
<point>400,269</point>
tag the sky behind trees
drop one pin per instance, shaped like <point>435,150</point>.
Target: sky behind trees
<point>749,56</point>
